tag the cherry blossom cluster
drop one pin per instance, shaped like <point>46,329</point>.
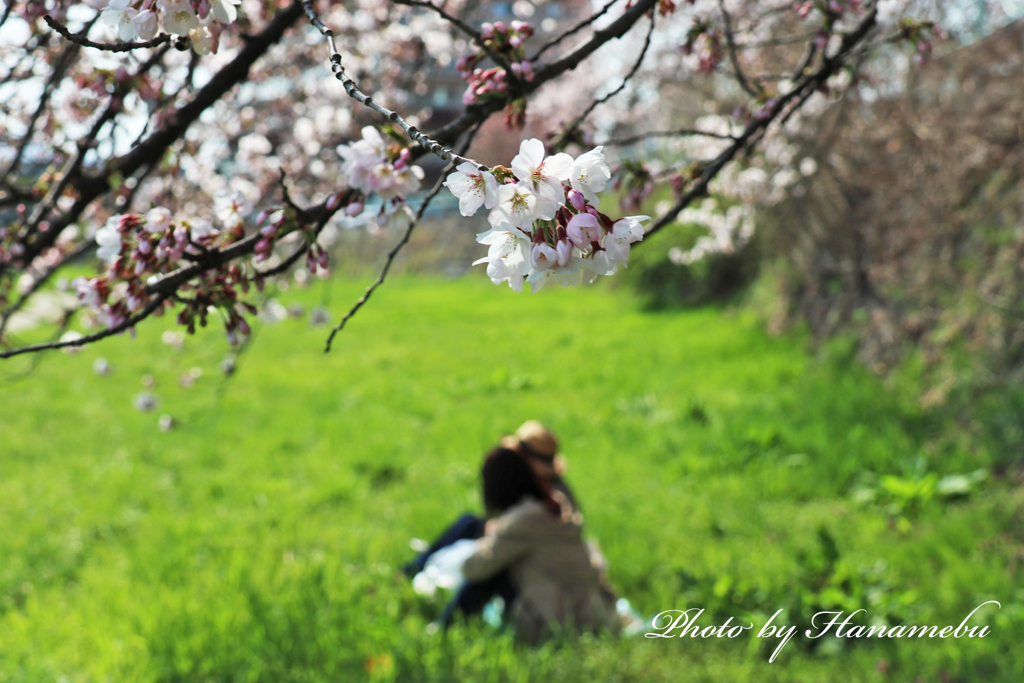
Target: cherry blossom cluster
<point>374,167</point>
<point>139,249</point>
<point>202,21</point>
<point>705,41</point>
<point>729,231</point>
<point>498,39</point>
<point>506,42</point>
<point>543,216</point>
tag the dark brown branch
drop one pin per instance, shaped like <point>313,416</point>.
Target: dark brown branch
<point>57,75</point>
<point>640,137</point>
<point>236,71</point>
<point>479,112</point>
<point>570,131</point>
<point>730,41</point>
<point>801,91</point>
<point>103,334</point>
<point>80,39</point>
<point>574,30</point>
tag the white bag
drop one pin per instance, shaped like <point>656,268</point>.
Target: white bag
<point>444,568</point>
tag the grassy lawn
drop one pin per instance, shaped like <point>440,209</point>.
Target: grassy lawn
<point>260,538</point>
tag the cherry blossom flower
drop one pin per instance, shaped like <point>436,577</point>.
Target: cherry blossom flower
<point>204,41</point>
<point>146,401</point>
<point>231,208</point>
<point>590,174</point>
<point>517,206</point>
<point>616,244</point>
<point>158,219</point>
<point>179,18</point>
<point>361,157</point>
<point>407,180</point>
<point>888,12</point>
<point>109,240</point>
<point>508,256</point>
<point>543,175</point>
<point>87,292</point>
<point>199,228</point>
<point>583,229</point>
<point>543,256</point>
<point>118,13</point>
<point>121,15</point>
<point>145,24</point>
<point>473,188</point>
<point>224,10</point>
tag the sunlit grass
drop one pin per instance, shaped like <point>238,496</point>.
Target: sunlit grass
<point>259,539</point>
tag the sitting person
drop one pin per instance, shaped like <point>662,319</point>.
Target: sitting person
<point>535,547</point>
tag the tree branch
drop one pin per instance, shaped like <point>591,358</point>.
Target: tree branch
<point>799,94</point>
<point>574,30</point>
<point>80,39</point>
<point>236,71</point>
<point>103,334</point>
<point>568,133</point>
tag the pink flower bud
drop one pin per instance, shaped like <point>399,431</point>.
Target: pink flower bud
<point>500,27</point>
<point>516,41</point>
<point>333,201</point>
<point>563,251</point>
<point>578,201</point>
<point>311,262</point>
<point>487,31</point>
<point>354,209</point>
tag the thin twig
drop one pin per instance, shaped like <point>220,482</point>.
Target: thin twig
<point>38,282</point>
<point>102,334</point>
<point>730,41</point>
<point>567,134</point>
<point>574,30</point>
<point>80,39</point>
<point>756,128</point>
<point>633,139</point>
<point>64,63</point>
<point>352,88</point>
<point>398,247</point>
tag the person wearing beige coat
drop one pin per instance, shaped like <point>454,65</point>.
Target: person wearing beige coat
<point>558,588</point>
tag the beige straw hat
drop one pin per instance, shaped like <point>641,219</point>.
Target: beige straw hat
<point>534,439</point>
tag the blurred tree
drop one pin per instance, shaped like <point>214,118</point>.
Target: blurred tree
<point>201,146</point>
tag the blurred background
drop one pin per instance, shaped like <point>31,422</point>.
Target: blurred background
<point>803,395</point>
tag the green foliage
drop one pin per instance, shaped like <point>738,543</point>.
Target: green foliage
<point>260,539</point>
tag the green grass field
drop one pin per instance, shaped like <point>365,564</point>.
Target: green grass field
<point>260,539</point>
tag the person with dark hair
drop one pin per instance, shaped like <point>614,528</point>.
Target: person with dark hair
<point>538,445</point>
<point>514,477</point>
<point>535,544</point>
